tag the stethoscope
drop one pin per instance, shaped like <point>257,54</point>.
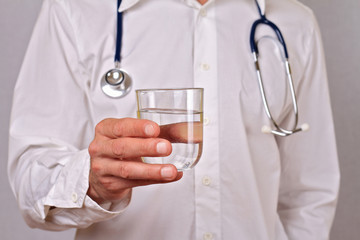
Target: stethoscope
<point>117,83</point>
<point>278,130</point>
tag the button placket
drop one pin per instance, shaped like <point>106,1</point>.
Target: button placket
<point>206,181</point>
<point>208,236</point>
<point>206,121</point>
<point>205,76</point>
<point>203,12</point>
<point>205,67</point>
<point>74,197</point>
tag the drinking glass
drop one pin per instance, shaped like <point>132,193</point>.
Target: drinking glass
<point>179,113</point>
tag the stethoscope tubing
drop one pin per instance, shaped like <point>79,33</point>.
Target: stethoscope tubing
<point>119,32</point>
<point>265,21</point>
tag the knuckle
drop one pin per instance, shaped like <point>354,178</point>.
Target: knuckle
<point>99,127</point>
<point>149,173</point>
<point>124,171</point>
<point>127,119</point>
<point>118,148</point>
<point>149,146</point>
<point>107,184</point>
<point>96,167</point>
<point>93,148</point>
<point>118,128</point>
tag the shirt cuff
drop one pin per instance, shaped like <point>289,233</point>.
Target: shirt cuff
<point>68,199</point>
<point>105,211</point>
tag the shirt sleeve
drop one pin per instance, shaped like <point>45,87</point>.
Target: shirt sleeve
<point>51,127</point>
<point>310,171</point>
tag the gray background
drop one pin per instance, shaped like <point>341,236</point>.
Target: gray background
<point>341,35</point>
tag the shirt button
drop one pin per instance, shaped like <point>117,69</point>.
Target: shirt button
<point>206,121</point>
<point>208,236</point>
<point>206,181</point>
<point>203,12</point>
<point>74,197</point>
<point>205,66</point>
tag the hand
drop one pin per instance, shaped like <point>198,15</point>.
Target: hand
<point>115,155</point>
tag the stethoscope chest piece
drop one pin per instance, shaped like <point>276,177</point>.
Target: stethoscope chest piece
<point>116,83</point>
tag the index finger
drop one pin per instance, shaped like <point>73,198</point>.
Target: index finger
<point>182,132</point>
<point>127,127</point>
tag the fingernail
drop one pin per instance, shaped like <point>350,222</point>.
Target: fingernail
<point>149,130</point>
<point>167,172</point>
<point>161,148</point>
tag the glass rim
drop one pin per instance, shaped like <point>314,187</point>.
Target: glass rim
<point>166,89</point>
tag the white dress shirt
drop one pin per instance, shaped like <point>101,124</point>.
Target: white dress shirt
<point>248,185</point>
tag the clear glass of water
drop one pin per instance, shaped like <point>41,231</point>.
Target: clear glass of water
<point>179,113</point>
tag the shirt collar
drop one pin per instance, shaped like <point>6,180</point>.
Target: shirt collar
<point>126,4</point>
<point>262,5</point>
<point>196,4</point>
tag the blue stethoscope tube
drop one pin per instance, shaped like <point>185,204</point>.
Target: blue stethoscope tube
<point>254,49</point>
<point>119,32</point>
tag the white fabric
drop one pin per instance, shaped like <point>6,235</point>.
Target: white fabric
<point>247,185</point>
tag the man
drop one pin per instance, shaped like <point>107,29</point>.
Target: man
<point>75,153</point>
